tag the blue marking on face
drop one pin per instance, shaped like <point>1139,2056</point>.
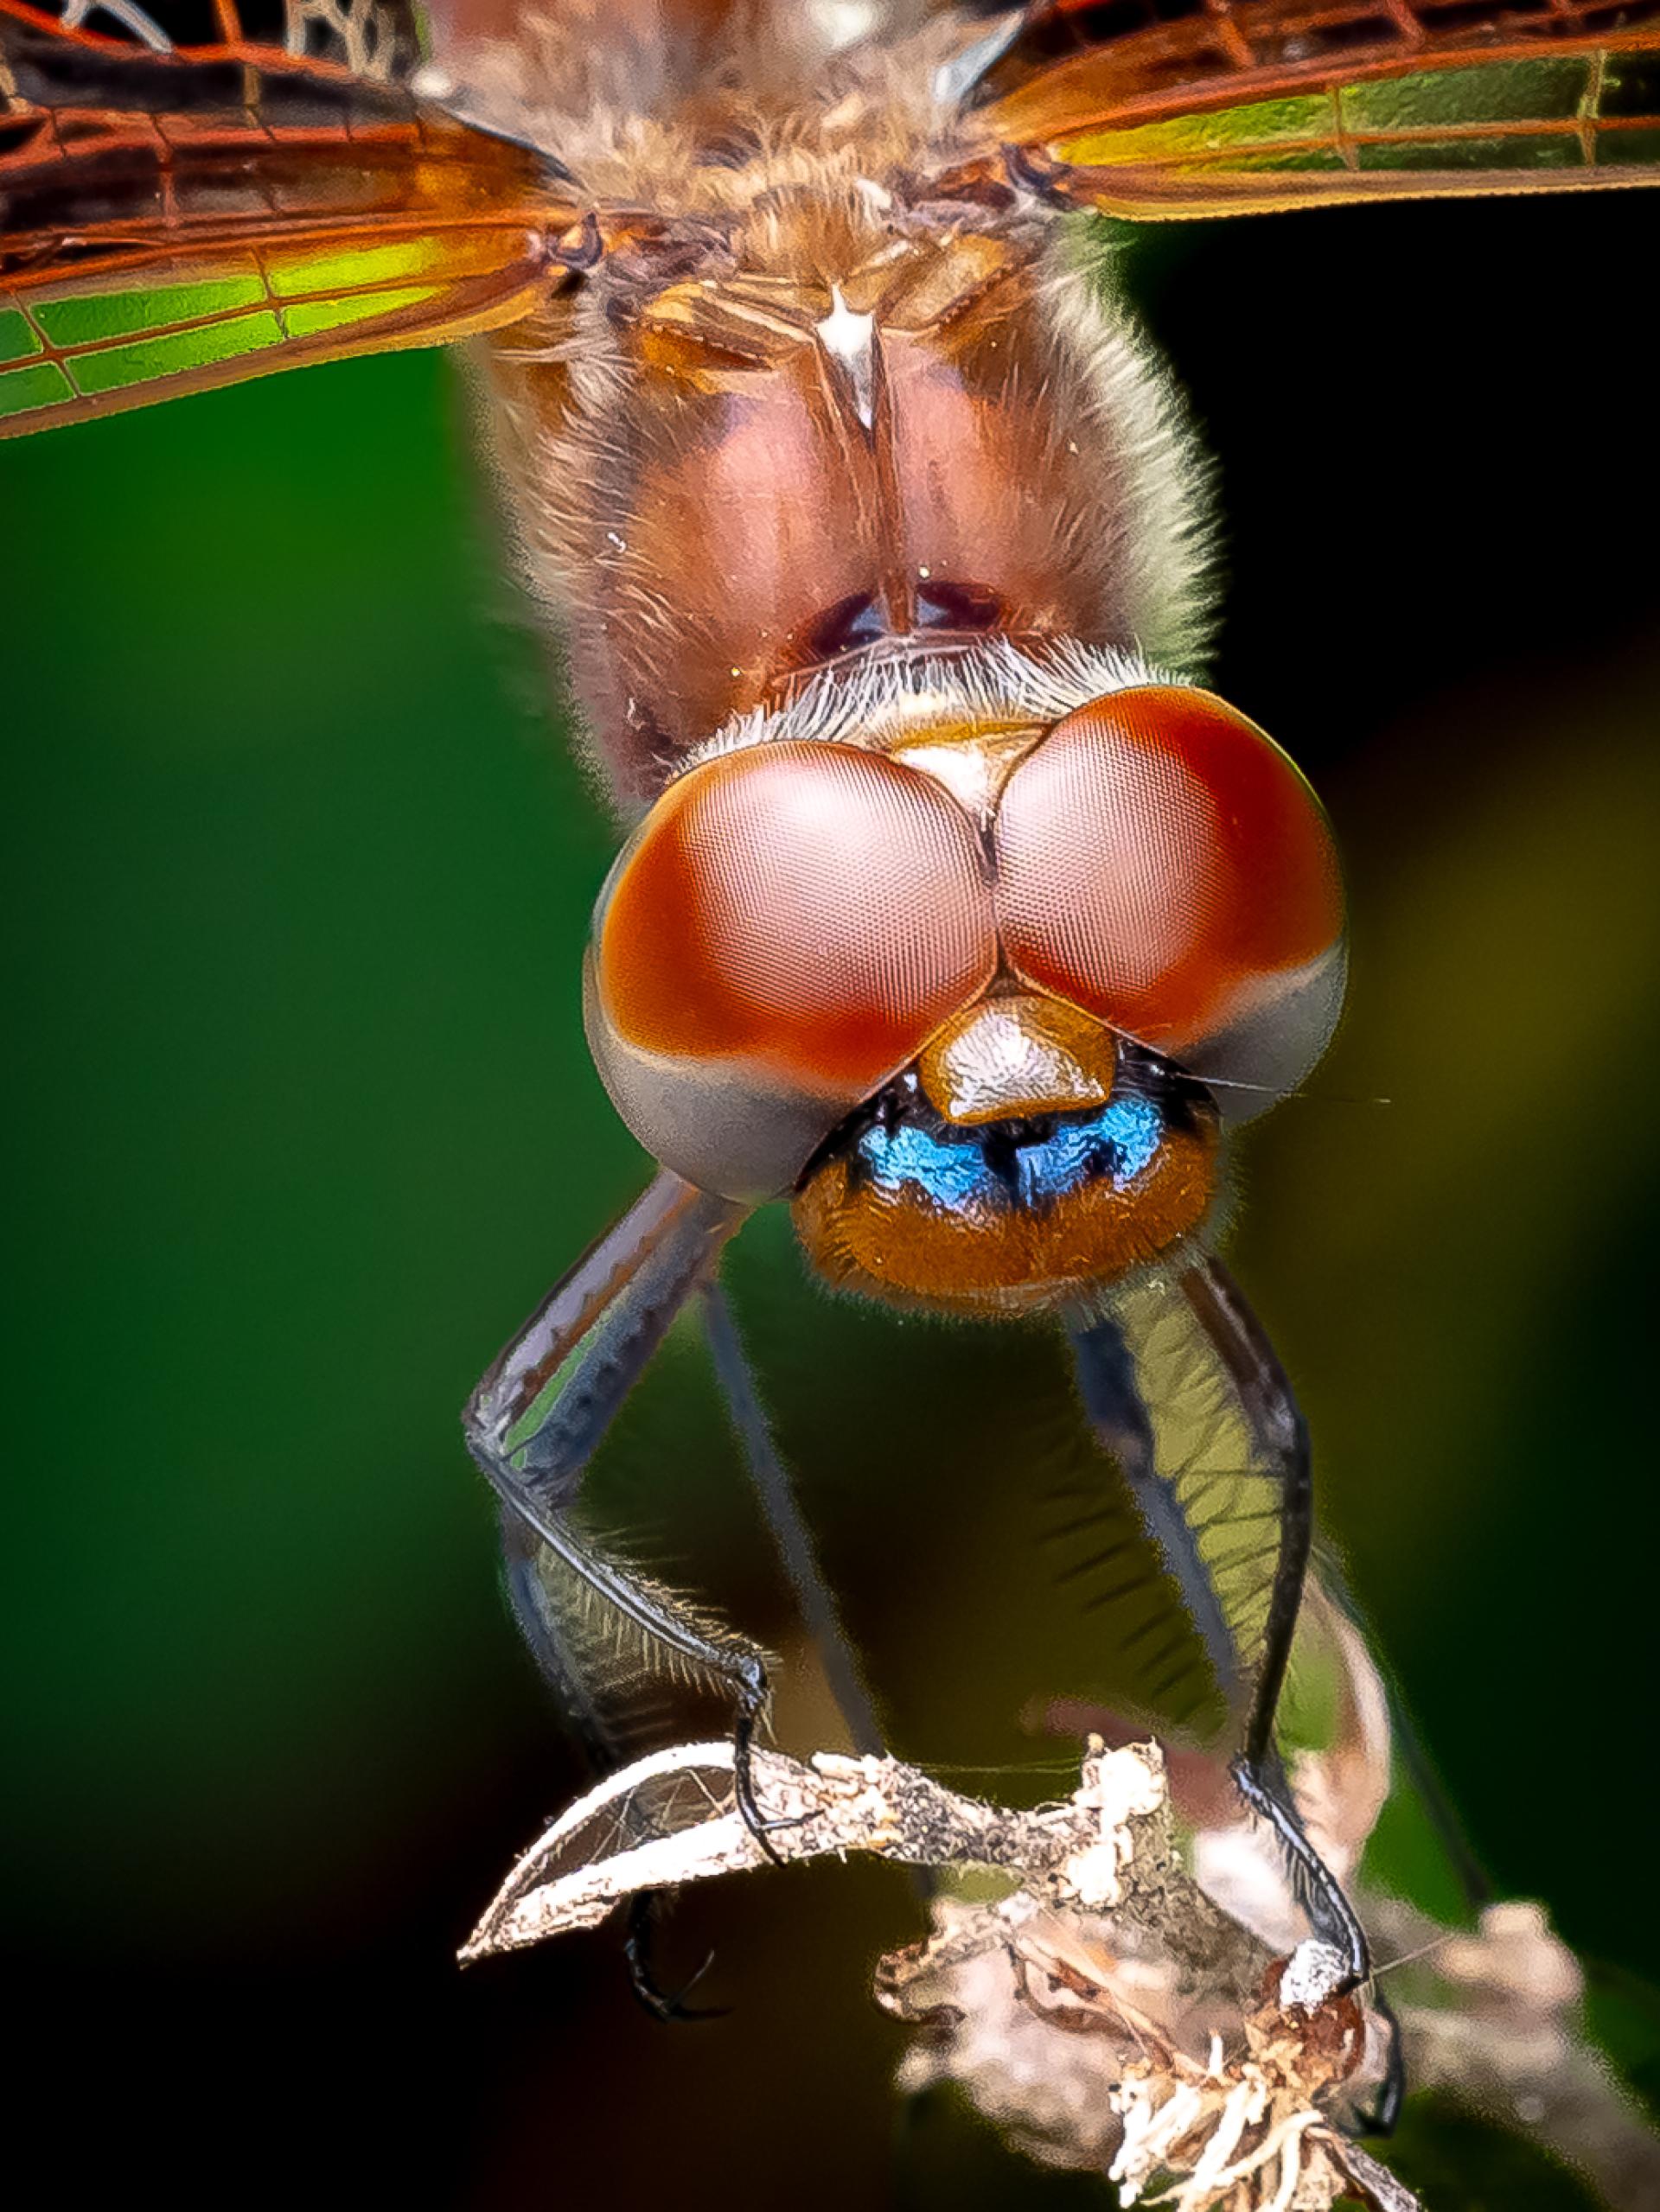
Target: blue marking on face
<point>1114,1143</point>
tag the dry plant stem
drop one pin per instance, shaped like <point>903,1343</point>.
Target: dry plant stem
<point>1069,2009</point>
<point>833,1805</point>
<point>1106,2013</point>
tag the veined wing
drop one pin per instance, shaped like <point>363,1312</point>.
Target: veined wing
<point>184,201</point>
<point>1155,109</point>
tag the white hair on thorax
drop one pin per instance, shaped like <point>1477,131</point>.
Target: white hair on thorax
<point>876,700</point>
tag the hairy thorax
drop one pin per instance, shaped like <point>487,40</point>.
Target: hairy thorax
<point>811,416</point>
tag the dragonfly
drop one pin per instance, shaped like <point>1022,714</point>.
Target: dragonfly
<point>953,913</point>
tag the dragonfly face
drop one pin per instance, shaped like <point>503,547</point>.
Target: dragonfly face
<point>915,980</point>
<point>951,907</point>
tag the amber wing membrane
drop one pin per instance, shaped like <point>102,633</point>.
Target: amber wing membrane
<point>187,198</point>
<point>1155,109</point>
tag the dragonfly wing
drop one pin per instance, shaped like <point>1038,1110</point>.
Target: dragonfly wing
<point>174,216</point>
<point>1156,109</point>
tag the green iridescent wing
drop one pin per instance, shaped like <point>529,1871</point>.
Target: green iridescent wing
<point>185,201</point>
<point>1155,109</point>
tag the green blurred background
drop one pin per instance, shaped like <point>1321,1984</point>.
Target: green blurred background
<point>297,873</point>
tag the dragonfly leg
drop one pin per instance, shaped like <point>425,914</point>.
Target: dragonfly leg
<point>1380,2117</point>
<point>639,1948</point>
<point>1107,1384</point>
<point>605,1748</point>
<point>1267,1791</point>
<point>539,1416</point>
<point>1281,1436</point>
<point>1250,1681</point>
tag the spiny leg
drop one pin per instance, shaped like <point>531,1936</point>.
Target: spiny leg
<point>1251,1682</point>
<point>1112,1398</point>
<point>1280,1435</point>
<point>1408,1751</point>
<point>551,1634</point>
<point>1265,1396</point>
<point>540,1413</point>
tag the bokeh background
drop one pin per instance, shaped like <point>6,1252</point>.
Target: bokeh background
<point>299,1122</point>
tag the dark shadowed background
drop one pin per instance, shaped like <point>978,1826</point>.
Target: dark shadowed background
<point>300,1122</point>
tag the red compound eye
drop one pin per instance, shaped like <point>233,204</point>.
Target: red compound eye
<point>786,930</point>
<point>1162,864</point>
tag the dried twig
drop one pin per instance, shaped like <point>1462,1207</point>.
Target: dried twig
<point>1103,1938</point>
<point>1113,2010</point>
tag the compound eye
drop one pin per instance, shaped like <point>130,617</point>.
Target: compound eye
<point>783,933</point>
<point>1162,864</point>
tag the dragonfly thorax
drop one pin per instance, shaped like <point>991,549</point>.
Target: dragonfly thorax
<point>765,441</point>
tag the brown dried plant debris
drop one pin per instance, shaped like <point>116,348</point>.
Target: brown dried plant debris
<point>1156,2016</point>
<point>1104,2010</point>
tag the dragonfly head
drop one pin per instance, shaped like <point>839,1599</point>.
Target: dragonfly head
<point>980,998</point>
